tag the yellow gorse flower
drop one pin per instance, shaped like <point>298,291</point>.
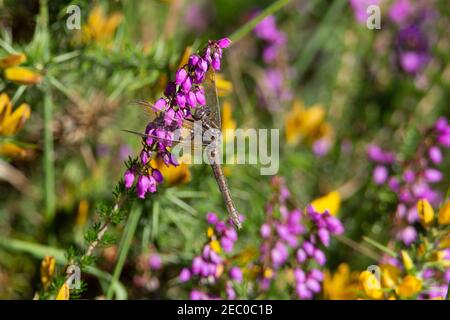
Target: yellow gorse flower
<point>444,214</point>
<point>22,75</point>
<point>407,261</point>
<point>306,123</point>
<point>12,60</point>
<point>224,87</point>
<point>63,292</point>
<point>215,245</point>
<point>370,285</point>
<point>425,211</point>
<point>228,123</point>
<point>83,208</point>
<point>330,202</point>
<point>47,270</point>
<point>342,285</point>
<point>409,287</point>
<point>11,121</point>
<point>172,175</point>
<point>389,275</point>
<point>100,28</point>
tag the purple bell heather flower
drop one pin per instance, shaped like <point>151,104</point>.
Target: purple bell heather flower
<point>380,174</point>
<point>224,43</point>
<point>394,184</point>
<point>155,262</point>
<point>319,256</point>
<point>321,147</point>
<point>313,285</point>
<point>444,140</point>
<point>236,274</point>
<point>202,65</point>
<point>124,151</point>
<point>215,63</point>
<point>316,274</point>
<point>435,155</point>
<point>279,254</point>
<point>212,218</point>
<point>401,11</point>
<point>200,95</point>
<point>181,76</point>
<point>433,175</point>
<point>169,116</point>
<point>265,231</point>
<point>324,237</point>
<point>334,225</point>
<point>270,53</point>
<point>171,88</point>
<point>441,124</point>
<point>180,99</point>
<point>197,264</point>
<point>197,295</point>
<point>144,157</point>
<point>227,244</point>
<point>303,292</point>
<point>409,176</point>
<point>408,235</point>
<point>157,175</point>
<point>128,178</point>
<point>299,275</point>
<point>191,99</point>
<point>151,185</point>
<point>142,186</point>
<point>160,104</point>
<point>186,85</point>
<point>360,9</point>
<point>231,234</point>
<point>185,275</point>
<point>231,294</point>
<point>309,248</point>
<point>193,60</point>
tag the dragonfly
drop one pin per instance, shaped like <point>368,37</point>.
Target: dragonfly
<point>209,117</point>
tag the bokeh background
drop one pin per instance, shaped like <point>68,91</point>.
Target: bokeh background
<point>361,115</point>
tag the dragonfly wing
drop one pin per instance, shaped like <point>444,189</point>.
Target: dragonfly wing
<point>212,100</point>
<point>185,139</point>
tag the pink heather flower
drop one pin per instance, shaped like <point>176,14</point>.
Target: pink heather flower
<point>180,76</point>
<point>142,186</point>
<point>212,218</point>
<point>236,274</point>
<point>433,175</point>
<point>408,235</point>
<point>401,11</point>
<point>380,174</point>
<point>128,178</point>
<point>303,292</point>
<point>360,9</point>
<point>301,256</point>
<point>265,231</point>
<point>231,294</point>
<point>324,236</point>
<point>200,97</point>
<point>185,275</point>
<point>316,274</point>
<point>319,256</point>
<point>157,175</point>
<point>155,262</point>
<point>435,155</point>
<point>160,104</point>
<point>299,275</point>
<point>321,147</point>
<point>313,285</point>
<point>224,43</point>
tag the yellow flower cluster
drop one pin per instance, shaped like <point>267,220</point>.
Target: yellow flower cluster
<point>100,28</point>
<point>11,121</point>
<point>307,124</point>
<point>17,74</point>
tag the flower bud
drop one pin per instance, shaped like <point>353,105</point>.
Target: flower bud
<point>425,211</point>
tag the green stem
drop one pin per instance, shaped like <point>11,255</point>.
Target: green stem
<point>49,169</point>
<point>124,247</point>
<point>379,246</point>
<point>249,26</point>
